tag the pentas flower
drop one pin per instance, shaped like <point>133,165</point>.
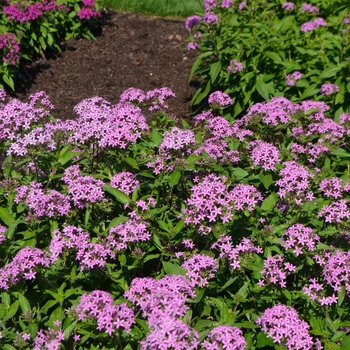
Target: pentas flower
<point>299,237</point>
<point>24,12</point>
<point>161,298</point>
<point>311,26</point>
<point>109,126</point>
<point>219,99</point>
<point>192,21</point>
<point>210,18</point>
<point>177,139</point>
<point>226,4</point>
<point>278,111</point>
<point>315,291</point>
<point>310,8</point>
<point>205,116</point>
<point>245,197</point>
<point>218,151</point>
<point>83,189</point>
<point>329,89</point>
<point>200,268</point>
<point>294,183</point>
<point>326,129</point>
<point>336,270</point>
<point>235,255</point>
<point>42,204</point>
<point>291,79</point>
<point>275,271</point>
<point>50,339</point>
<point>335,212</point>
<point>23,266</point>
<point>209,201</point>
<point>99,306</point>
<point>209,4</point>
<point>224,337</point>
<point>89,254</point>
<point>11,47</point>
<point>125,182</point>
<point>158,97</point>
<point>132,231</point>
<point>3,229</point>
<point>289,6</point>
<point>88,11</point>
<point>170,333</point>
<point>192,46</point>
<point>282,324</point>
<point>242,5</point>
<point>17,117</point>
<point>235,66</point>
<point>334,187</point>
<point>132,95</point>
<point>219,127</point>
<point>263,154</point>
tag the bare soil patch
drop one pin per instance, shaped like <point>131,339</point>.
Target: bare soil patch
<point>130,50</point>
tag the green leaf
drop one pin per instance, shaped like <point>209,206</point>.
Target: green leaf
<point>6,216</point>
<point>340,152</point>
<point>66,155</point>
<point>269,203</point>
<point>11,311</point>
<point>119,195</point>
<point>274,56</point>
<point>263,340</point>
<point>329,72</point>
<point>156,137</point>
<point>173,268</point>
<point>266,180</point>
<point>239,173</point>
<point>174,178</point>
<point>9,81</point>
<point>179,226</point>
<point>310,91</point>
<point>262,87</point>
<point>285,24</point>
<point>345,344</point>
<point>8,347</point>
<point>215,70</point>
<point>341,295</point>
<point>132,162</point>
<point>24,303</point>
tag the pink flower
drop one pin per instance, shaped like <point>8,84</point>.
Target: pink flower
<point>329,89</point>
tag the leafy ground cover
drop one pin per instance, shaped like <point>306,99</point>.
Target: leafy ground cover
<point>125,227</point>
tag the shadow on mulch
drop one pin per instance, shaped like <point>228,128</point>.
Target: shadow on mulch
<point>131,50</point>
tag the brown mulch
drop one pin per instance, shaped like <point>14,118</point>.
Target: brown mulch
<point>131,50</point>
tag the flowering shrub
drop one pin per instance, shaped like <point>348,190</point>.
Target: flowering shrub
<point>255,50</point>
<point>29,27</point>
<point>118,233</point>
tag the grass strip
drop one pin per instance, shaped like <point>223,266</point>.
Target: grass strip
<point>163,8</point>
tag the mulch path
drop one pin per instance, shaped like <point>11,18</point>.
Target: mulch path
<point>131,50</point>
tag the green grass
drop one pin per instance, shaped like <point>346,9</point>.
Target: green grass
<point>163,8</point>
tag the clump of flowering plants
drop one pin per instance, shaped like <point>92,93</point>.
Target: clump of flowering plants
<point>255,49</point>
<point>118,233</point>
<point>29,27</point>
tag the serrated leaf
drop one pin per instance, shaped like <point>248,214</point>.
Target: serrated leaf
<point>119,195</point>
